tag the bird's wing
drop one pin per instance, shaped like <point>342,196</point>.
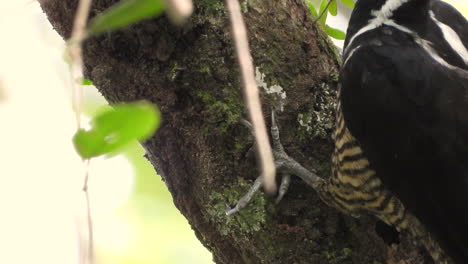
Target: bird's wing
<point>450,16</point>
<point>410,115</point>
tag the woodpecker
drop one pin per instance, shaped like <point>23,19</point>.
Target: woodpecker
<point>402,116</point>
<point>401,133</point>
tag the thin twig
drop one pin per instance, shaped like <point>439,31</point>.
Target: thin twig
<point>78,33</point>
<point>251,94</point>
<point>89,216</point>
<point>75,49</point>
<point>323,11</point>
<point>179,10</point>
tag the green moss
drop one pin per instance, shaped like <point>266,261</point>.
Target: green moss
<point>326,44</point>
<point>244,6</point>
<point>205,69</point>
<point>212,5</point>
<point>247,221</point>
<point>335,77</point>
<point>338,256</point>
<point>173,70</point>
<point>239,146</point>
<point>205,96</point>
<point>225,111</point>
<point>347,251</point>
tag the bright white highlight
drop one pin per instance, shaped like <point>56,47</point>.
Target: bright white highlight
<point>381,17</point>
<point>351,54</point>
<point>452,38</point>
<point>426,45</point>
<point>387,9</point>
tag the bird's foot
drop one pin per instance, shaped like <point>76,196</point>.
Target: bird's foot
<point>285,165</point>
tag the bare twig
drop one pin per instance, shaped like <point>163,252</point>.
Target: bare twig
<point>75,50</point>
<point>323,11</point>
<point>251,94</point>
<point>179,10</point>
<point>89,216</point>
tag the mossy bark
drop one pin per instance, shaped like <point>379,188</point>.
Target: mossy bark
<point>201,149</point>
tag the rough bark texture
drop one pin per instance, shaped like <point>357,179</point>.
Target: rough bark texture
<point>201,150</point>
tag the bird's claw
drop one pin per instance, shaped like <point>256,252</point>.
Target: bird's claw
<point>278,151</point>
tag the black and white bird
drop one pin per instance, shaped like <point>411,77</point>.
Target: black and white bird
<point>401,134</point>
<point>404,101</point>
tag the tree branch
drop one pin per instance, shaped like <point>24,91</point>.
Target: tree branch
<point>200,149</point>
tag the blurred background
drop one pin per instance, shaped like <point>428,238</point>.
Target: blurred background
<point>42,206</point>
<point>41,202</point>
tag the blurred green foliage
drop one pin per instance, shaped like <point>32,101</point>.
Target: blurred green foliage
<point>124,13</point>
<point>328,7</point>
<point>157,233</point>
<point>114,128</point>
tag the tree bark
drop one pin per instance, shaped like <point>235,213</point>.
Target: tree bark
<point>202,151</point>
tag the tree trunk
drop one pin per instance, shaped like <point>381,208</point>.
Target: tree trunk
<point>202,151</point>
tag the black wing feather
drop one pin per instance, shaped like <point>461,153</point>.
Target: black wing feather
<point>450,16</point>
<point>410,115</point>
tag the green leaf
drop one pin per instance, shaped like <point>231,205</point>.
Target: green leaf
<point>312,10</point>
<point>333,8</point>
<point>335,33</point>
<point>322,12</point>
<point>124,13</point>
<point>348,3</point>
<point>117,127</point>
<point>87,82</point>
